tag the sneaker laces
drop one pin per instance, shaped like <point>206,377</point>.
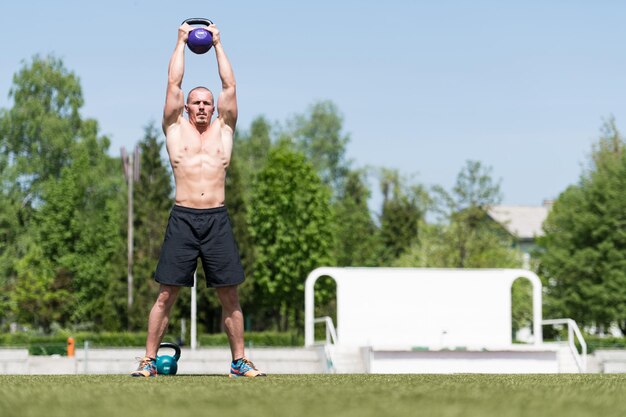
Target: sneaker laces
<point>143,361</point>
<point>249,363</point>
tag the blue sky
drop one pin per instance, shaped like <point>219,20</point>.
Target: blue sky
<point>423,86</point>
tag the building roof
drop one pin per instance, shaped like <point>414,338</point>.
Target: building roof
<point>523,222</point>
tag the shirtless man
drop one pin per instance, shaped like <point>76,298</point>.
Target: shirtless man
<point>199,227</point>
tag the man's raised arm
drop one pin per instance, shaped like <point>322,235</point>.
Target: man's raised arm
<point>174,97</point>
<point>227,102</point>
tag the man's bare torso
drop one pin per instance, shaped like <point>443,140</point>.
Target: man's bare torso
<point>199,161</point>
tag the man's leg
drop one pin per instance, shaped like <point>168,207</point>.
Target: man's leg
<point>157,325</point>
<point>159,318</point>
<point>232,316</point>
<point>233,323</point>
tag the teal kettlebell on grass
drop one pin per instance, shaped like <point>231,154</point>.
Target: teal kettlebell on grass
<point>168,365</point>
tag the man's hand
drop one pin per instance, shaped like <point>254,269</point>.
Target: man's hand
<point>215,32</point>
<point>183,32</point>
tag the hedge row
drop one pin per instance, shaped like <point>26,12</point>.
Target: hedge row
<point>57,343</point>
<point>596,343</point>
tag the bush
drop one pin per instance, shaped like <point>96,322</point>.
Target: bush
<point>38,344</point>
<point>47,349</point>
<point>254,339</point>
<point>595,342</point>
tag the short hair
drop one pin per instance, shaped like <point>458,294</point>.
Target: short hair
<point>198,88</point>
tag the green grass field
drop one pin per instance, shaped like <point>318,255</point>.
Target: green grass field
<point>315,395</point>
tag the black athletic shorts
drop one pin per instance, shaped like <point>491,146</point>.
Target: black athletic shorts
<point>199,233</point>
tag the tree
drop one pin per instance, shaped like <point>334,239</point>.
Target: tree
<point>75,253</point>
<point>356,232</point>
<point>39,129</point>
<point>66,188</point>
<point>319,136</point>
<point>250,153</point>
<point>152,205</point>
<point>403,209</point>
<point>583,256</point>
<point>468,239</point>
<point>249,157</point>
<point>291,225</point>
<point>35,138</point>
<point>12,234</point>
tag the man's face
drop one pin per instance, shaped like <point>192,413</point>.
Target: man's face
<point>200,107</point>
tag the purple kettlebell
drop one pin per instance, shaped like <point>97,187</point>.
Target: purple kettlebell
<point>199,40</point>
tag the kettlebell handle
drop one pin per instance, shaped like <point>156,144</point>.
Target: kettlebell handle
<point>197,21</point>
<point>173,346</point>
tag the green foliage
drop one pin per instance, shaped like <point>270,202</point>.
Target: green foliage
<point>138,339</point>
<point>403,210</point>
<point>255,339</point>
<point>56,164</point>
<point>318,135</point>
<point>47,349</point>
<point>39,296</point>
<point>356,233</point>
<point>292,229</point>
<point>78,229</point>
<point>10,229</point>
<point>521,304</point>
<point>250,153</point>
<point>238,212</point>
<point>437,247</point>
<point>249,156</point>
<point>597,343</point>
<point>467,238</point>
<point>152,196</point>
<point>582,257</point>
<point>36,135</point>
<point>56,342</point>
<point>151,208</point>
<point>39,129</point>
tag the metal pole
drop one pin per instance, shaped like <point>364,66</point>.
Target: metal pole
<point>86,349</point>
<point>130,181</point>
<point>193,330</point>
<point>131,167</point>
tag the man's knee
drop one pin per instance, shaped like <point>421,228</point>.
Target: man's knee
<point>229,297</point>
<point>167,295</point>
